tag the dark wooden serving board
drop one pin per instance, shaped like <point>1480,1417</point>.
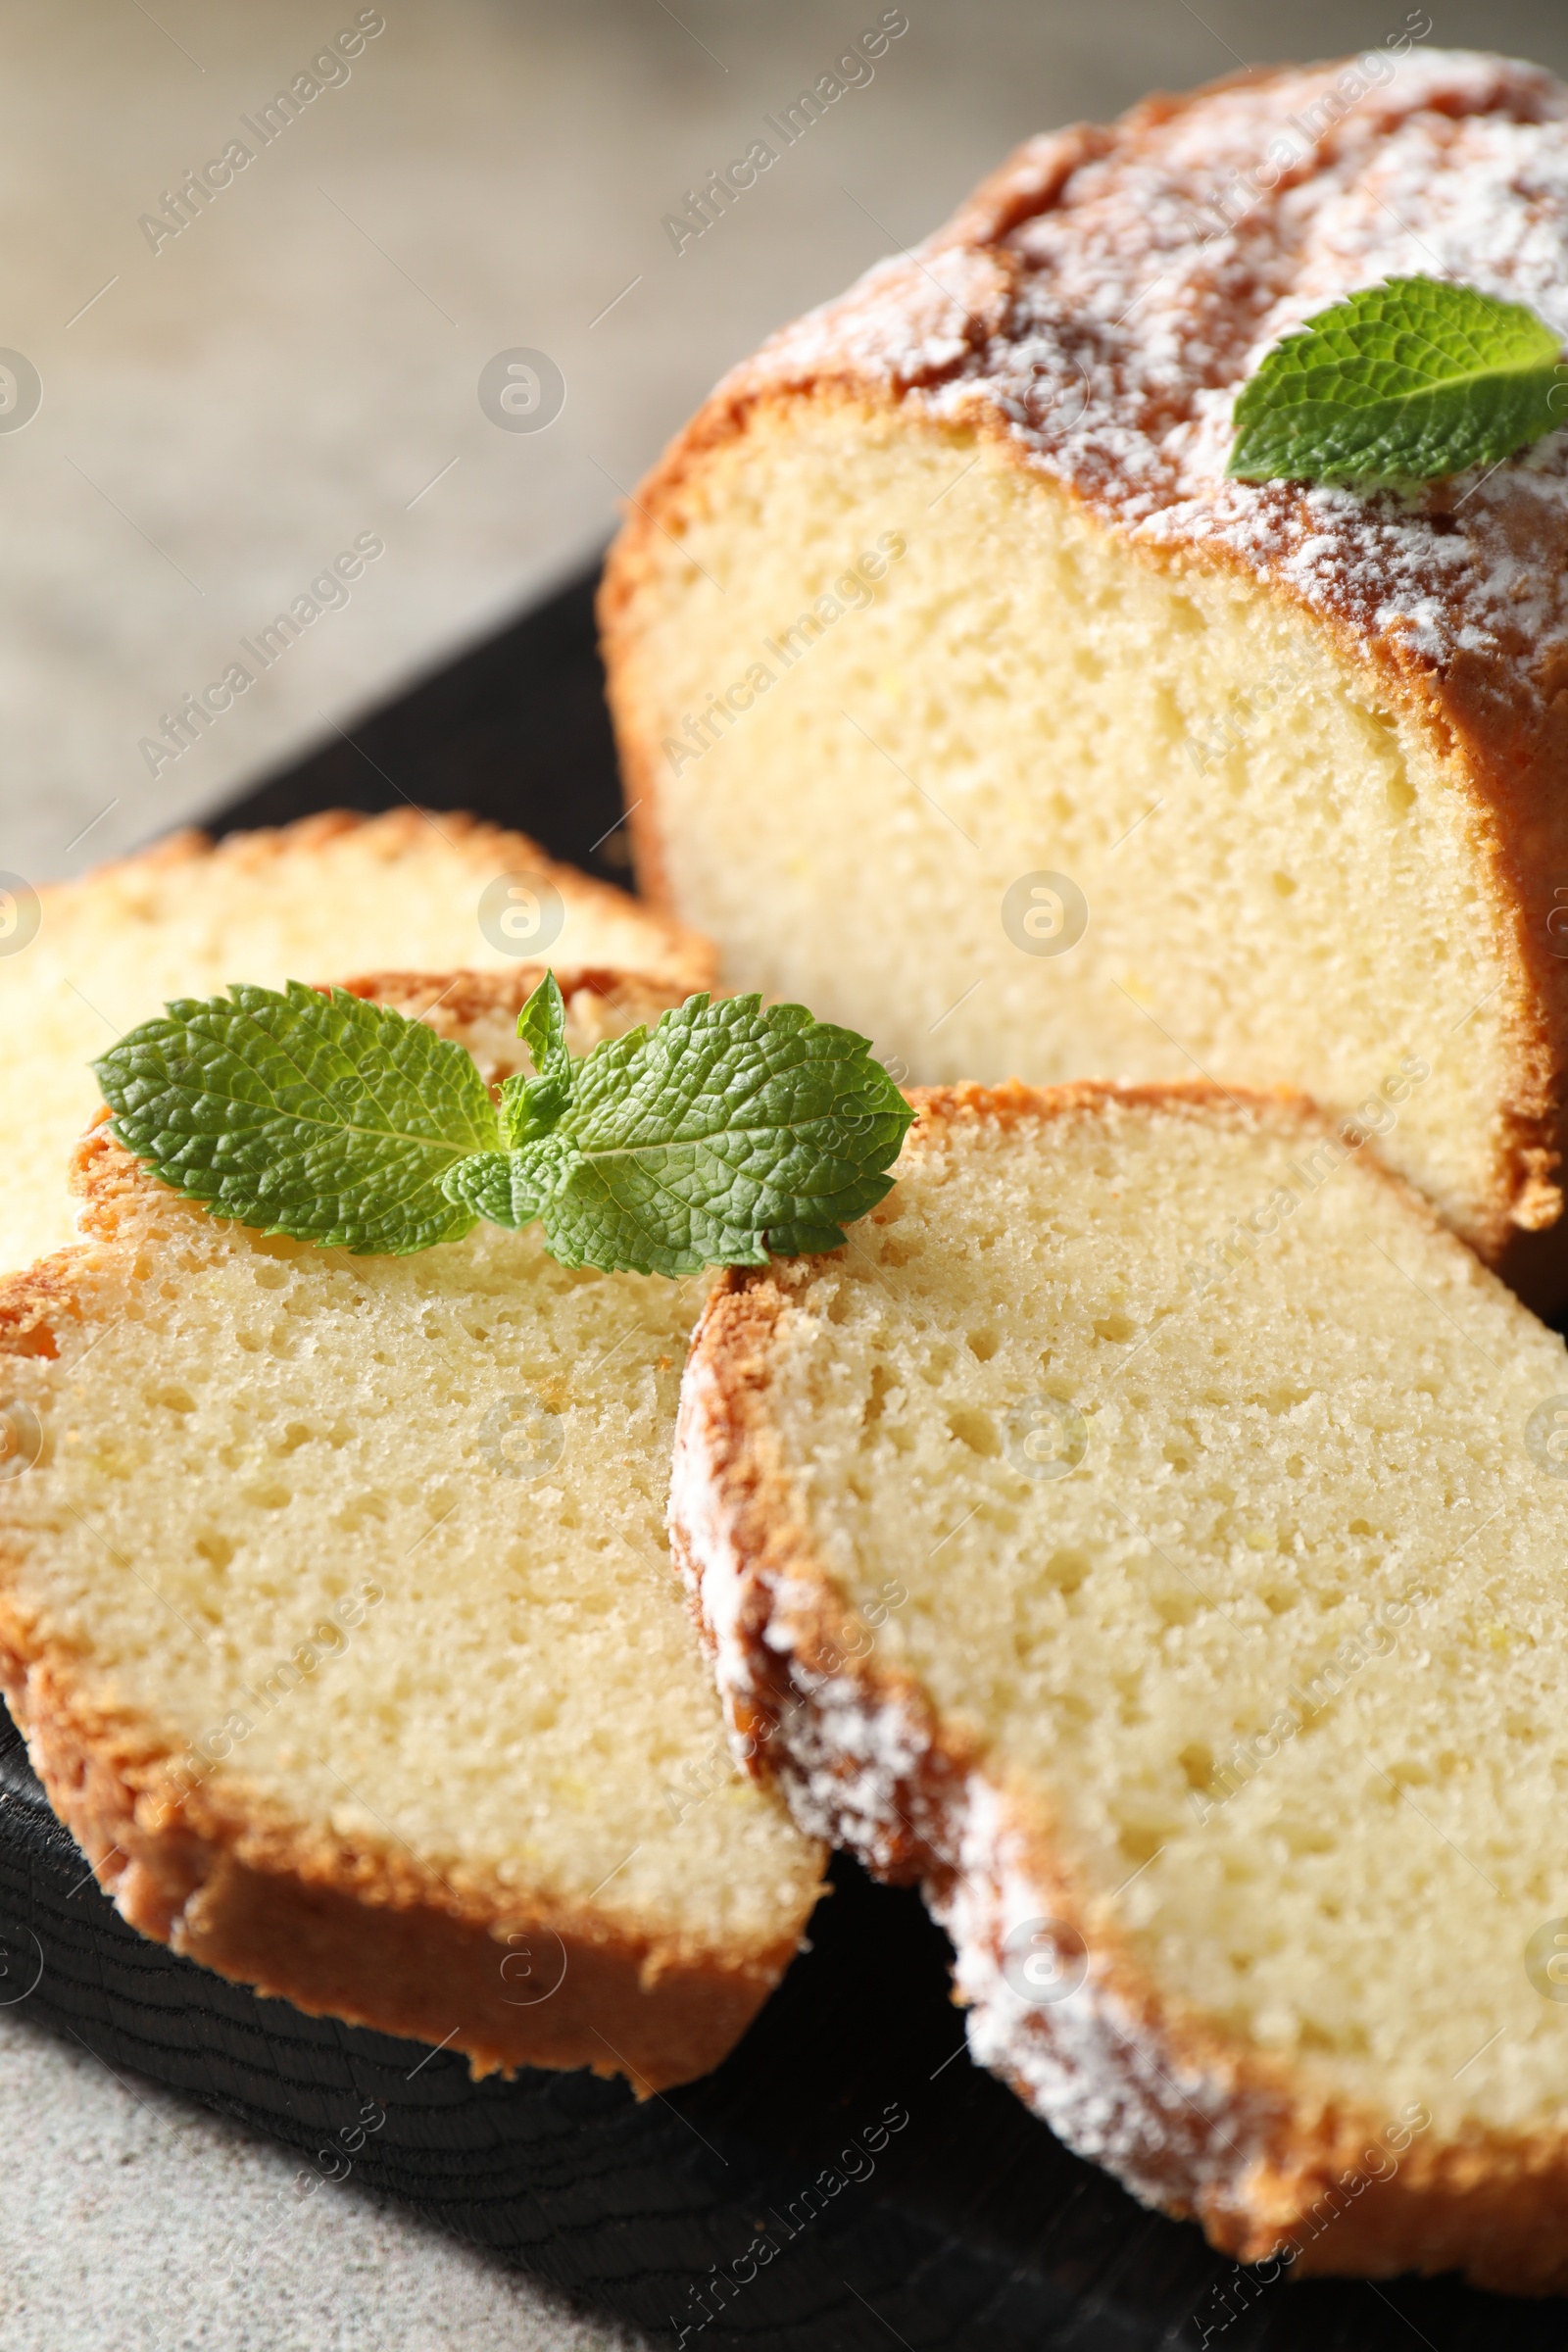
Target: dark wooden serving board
<point>847,2180</point>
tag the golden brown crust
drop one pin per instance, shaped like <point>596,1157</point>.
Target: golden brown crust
<point>599,1002</point>
<point>1453,604</point>
<point>366,1933</point>
<point>1511,778</point>
<point>340,1926</point>
<point>1196,2121</point>
<point>397,834</point>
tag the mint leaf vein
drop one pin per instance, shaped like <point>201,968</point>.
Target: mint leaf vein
<point>732,1130</point>
<point>317,1116</point>
<point>1402,383</point>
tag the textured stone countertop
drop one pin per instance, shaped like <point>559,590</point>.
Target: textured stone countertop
<point>299,366</point>
<point>133,2222</point>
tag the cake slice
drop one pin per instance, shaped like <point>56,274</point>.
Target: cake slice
<point>960,695</point>
<point>333,894</point>
<point>1151,1534</point>
<point>336,1606</point>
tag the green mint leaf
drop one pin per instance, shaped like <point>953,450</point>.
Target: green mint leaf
<point>1402,383</point>
<point>530,1107</point>
<point>731,1130</point>
<point>318,1116</point>
<point>542,1022</point>
<point>732,1127</point>
<point>503,1187</point>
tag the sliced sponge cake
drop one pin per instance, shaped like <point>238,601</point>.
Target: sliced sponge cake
<point>963,696</point>
<point>1152,1532</point>
<point>336,1604</point>
<point>335,894</point>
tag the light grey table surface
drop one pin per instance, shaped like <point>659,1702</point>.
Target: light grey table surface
<point>133,2222</point>
<point>219,416</point>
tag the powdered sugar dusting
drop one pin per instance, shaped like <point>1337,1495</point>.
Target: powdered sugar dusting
<point>1105,296</point>
<point>859,1760</point>
<point>1174,2134</point>
<point>700,1539</point>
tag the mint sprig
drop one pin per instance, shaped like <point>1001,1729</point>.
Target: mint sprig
<point>1402,383</point>
<point>731,1130</point>
<point>530,1107</point>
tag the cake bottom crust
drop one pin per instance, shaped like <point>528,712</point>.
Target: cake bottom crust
<point>378,1941</point>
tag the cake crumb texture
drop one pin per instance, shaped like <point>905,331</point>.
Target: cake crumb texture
<point>336,1604</point>
<point>942,602</point>
<point>1195,1633</point>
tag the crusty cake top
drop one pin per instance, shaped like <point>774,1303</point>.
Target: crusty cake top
<point>1104,295</point>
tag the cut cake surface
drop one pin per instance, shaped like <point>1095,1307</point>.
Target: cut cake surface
<point>1151,1533</point>
<point>960,695</point>
<point>336,1606</point>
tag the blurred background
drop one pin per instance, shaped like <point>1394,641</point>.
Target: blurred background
<point>432,320</point>
<point>210,391</point>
